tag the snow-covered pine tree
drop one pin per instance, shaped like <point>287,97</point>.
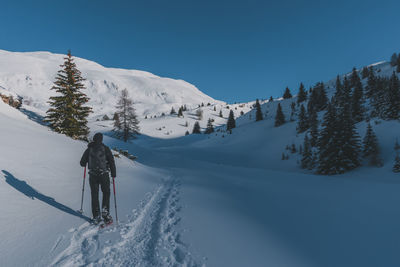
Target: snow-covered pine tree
<point>172,111</point>
<point>196,128</point>
<point>220,113</point>
<point>280,117</point>
<point>180,112</point>
<point>306,157</point>
<point>271,99</point>
<point>259,115</point>
<point>67,113</point>
<point>187,133</point>
<point>302,95</point>
<point>231,121</point>
<point>302,124</point>
<point>210,127</point>
<point>127,125</point>
<point>393,60</point>
<point>287,94</point>
<point>371,147</point>
<point>392,111</point>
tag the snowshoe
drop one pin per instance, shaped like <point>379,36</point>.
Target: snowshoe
<point>106,222</point>
<point>96,220</point>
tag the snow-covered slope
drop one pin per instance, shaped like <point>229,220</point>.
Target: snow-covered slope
<point>31,75</point>
<point>215,200</point>
<point>40,191</point>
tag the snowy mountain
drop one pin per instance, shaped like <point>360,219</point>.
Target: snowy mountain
<point>31,75</point>
<point>199,200</point>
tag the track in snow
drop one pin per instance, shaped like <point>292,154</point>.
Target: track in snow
<point>149,238</point>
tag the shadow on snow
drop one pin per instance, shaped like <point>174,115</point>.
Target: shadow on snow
<point>32,193</point>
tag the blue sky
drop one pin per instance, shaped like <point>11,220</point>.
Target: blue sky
<point>231,50</point>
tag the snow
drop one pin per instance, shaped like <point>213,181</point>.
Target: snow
<point>31,75</point>
<point>198,200</point>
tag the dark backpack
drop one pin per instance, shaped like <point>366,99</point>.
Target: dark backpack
<point>98,159</point>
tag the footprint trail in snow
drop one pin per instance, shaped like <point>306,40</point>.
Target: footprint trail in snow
<point>149,238</point>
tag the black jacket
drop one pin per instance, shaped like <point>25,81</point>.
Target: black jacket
<point>109,157</point>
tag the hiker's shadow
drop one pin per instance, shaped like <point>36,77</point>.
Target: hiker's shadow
<point>30,192</point>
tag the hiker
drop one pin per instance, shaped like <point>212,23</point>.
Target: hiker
<point>101,161</point>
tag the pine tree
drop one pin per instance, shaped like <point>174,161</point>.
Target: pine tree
<point>396,146</point>
<point>327,144</point>
<point>357,96</point>
<point>67,113</point>
<point>293,111</point>
<point>398,64</point>
<point>196,128</point>
<point>293,149</point>
<point>302,124</point>
<point>396,166</point>
<point>371,147</point>
<point>259,115</point>
<point>342,96</point>
<point>271,99</point>
<point>364,73</point>
<point>280,117</point>
<point>349,140</point>
<point>210,127</point>
<point>392,111</point>
<point>127,125</point>
<point>231,121</point>
<point>180,112</point>
<point>220,113</point>
<point>302,95</point>
<point>187,133</point>
<point>393,60</point>
<point>354,78</point>
<point>318,99</point>
<point>115,116</point>
<point>313,124</point>
<point>287,93</point>
<point>339,144</point>
<point>172,111</point>
<point>306,157</point>
<point>371,83</point>
<point>376,93</point>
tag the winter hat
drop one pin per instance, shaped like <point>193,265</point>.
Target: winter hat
<point>98,138</point>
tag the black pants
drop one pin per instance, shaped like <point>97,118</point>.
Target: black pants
<point>95,181</point>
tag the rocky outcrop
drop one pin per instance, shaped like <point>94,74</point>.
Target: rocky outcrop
<point>10,100</point>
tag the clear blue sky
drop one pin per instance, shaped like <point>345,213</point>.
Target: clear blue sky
<point>231,50</point>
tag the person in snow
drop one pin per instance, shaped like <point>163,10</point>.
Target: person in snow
<point>101,161</point>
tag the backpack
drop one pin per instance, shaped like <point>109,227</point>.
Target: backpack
<point>97,159</point>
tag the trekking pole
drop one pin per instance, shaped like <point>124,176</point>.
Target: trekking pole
<point>83,190</point>
<point>115,201</point>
